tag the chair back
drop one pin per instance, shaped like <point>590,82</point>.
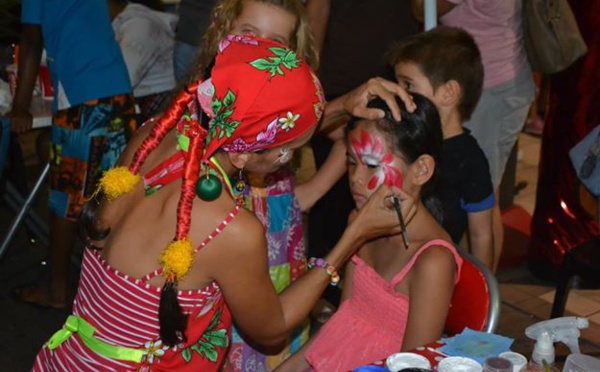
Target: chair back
<point>476,299</point>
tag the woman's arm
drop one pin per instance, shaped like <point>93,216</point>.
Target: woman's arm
<point>418,8</point>
<point>334,167</point>
<point>430,291</point>
<point>240,267</point>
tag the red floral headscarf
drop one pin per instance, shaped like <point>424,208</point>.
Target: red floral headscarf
<point>259,95</point>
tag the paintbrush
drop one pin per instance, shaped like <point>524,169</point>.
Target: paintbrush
<point>398,208</point>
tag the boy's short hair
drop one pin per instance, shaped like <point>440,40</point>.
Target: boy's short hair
<point>444,54</point>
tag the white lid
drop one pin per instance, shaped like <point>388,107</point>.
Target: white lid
<point>543,349</point>
<point>459,364</point>
<point>518,360</point>
<point>399,361</point>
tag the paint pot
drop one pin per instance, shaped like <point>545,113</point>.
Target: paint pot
<point>399,361</point>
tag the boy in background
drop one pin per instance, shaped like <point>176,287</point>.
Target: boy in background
<point>444,65</point>
<point>93,117</point>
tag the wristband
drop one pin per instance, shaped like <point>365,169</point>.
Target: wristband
<point>329,269</point>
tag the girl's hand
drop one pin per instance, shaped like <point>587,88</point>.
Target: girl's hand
<point>377,217</point>
<point>356,101</point>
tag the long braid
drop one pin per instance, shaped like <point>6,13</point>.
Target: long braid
<point>167,122</point>
<point>173,321</point>
<point>190,177</point>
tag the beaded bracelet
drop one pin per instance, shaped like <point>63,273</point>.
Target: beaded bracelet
<point>329,269</point>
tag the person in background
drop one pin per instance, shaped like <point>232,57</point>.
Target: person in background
<point>146,39</point>
<point>397,288</point>
<point>93,117</point>
<point>445,66</point>
<point>508,87</point>
<point>194,18</point>
<point>352,36</point>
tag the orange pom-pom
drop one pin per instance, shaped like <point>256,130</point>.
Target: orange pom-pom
<point>118,181</point>
<point>177,258</point>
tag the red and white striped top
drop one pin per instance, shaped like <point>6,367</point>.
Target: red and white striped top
<point>124,311</point>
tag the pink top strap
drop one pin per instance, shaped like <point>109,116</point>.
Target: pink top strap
<point>437,242</point>
<point>207,240</point>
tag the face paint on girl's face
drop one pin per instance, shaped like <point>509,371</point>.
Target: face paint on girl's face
<point>371,152</point>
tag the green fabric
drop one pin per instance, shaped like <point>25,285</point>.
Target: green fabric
<point>183,142</point>
<point>86,333</point>
<point>280,276</point>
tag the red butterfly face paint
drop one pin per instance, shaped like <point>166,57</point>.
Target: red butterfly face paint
<point>372,152</point>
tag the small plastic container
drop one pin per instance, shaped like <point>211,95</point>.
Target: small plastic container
<point>497,364</point>
<point>399,361</point>
<point>581,363</point>
<point>459,364</point>
<point>518,360</point>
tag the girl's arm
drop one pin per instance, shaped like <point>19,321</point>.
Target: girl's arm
<point>309,192</point>
<point>430,291</point>
<point>317,14</point>
<point>238,262</point>
<point>297,362</point>
<point>418,8</point>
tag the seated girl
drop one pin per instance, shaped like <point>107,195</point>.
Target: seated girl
<point>397,288</point>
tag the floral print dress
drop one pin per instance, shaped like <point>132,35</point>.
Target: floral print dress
<point>273,202</point>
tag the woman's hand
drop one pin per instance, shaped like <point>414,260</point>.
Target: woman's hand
<point>355,102</point>
<point>377,217</point>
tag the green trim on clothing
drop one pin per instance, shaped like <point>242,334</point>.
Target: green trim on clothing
<point>76,324</point>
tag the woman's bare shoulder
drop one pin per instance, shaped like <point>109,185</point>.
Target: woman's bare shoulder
<point>242,230</point>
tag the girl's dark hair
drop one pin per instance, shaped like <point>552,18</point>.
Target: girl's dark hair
<point>417,133</point>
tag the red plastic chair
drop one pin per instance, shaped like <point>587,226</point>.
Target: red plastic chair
<point>476,299</point>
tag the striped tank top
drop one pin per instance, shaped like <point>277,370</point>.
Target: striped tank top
<point>124,312</point>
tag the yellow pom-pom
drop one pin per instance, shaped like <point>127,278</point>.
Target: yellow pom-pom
<point>177,258</point>
<point>118,181</point>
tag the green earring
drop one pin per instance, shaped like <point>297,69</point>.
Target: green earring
<point>209,187</point>
<point>240,185</point>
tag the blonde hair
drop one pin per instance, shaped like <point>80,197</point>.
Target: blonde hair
<point>226,12</point>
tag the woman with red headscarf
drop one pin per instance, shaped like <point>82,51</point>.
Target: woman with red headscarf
<point>172,254</point>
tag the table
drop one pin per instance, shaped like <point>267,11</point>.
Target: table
<point>41,111</point>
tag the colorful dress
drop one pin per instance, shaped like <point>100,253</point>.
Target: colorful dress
<point>121,312</point>
<point>272,200</point>
<point>369,325</point>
